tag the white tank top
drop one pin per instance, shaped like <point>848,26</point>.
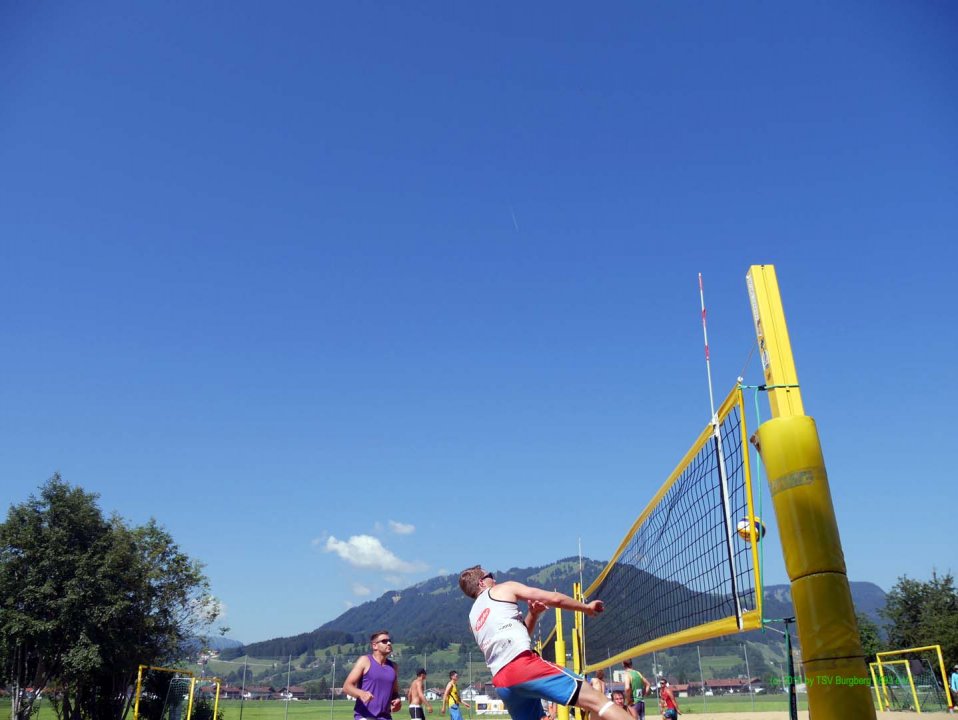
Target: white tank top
<point>499,630</point>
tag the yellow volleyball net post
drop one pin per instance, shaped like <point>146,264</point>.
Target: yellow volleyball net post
<point>790,449</point>
<point>577,649</point>
<point>562,711</point>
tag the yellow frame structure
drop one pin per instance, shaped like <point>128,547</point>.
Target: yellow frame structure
<point>178,671</point>
<point>808,530</point>
<point>884,685</point>
<point>216,700</point>
<point>941,669</point>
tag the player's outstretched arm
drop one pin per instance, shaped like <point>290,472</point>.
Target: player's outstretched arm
<point>512,590</point>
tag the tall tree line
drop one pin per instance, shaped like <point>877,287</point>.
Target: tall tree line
<point>85,599</point>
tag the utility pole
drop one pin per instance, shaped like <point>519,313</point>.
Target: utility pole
<point>243,689</point>
<point>289,666</point>
<point>332,690</point>
<point>705,702</point>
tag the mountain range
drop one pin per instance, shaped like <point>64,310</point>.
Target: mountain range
<point>434,611</point>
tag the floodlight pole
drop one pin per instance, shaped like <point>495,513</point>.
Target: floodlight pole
<point>792,454</point>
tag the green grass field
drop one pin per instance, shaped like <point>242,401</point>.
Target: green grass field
<point>343,710</point>
<point>320,710</point>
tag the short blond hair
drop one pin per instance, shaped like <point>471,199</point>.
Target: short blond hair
<point>469,580</point>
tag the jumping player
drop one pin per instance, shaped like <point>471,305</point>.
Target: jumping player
<point>521,677</point>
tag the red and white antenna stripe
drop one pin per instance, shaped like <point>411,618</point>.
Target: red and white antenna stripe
<point>705,334</point>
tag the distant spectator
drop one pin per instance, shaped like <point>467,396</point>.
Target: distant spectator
<point>598,682</point>
<point>636,687</point>
<point>451,697</point>
<point>416,696</point>
<point>670,708</point>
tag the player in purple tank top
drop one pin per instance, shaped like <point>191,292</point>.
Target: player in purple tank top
<point>374,681</point>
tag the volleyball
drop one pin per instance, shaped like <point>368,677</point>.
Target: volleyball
<point>743,530</point>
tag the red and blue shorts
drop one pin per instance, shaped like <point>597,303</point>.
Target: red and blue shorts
<point>528,679</point>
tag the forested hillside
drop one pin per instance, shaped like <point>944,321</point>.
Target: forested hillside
<point>432,614</point>
<point>429,622</point>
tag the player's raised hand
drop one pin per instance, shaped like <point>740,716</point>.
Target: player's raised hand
<point>537,607</point>
<point>594,608</point>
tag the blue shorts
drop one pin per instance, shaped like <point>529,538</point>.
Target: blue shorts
<point>454,713</point>
<point>528,679</point>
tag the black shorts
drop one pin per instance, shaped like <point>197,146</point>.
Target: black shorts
<point>416,713</point>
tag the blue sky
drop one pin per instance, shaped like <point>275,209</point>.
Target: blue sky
<point>348,295</point>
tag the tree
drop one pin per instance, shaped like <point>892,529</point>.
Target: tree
<point>870,637</point>
<point>318,688</point>
<point>85,599</point>
<point>924,613</point>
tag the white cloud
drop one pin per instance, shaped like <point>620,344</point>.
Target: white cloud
<point>365,551</point>
<point>401,528</point>
<point>360,589</point>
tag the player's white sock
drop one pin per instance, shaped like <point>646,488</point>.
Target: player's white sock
<point>605,707</point>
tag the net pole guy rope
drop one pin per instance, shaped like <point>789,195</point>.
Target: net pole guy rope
<point>723,474</point>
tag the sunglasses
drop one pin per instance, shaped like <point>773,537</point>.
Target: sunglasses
<point>488,576</point>
<point>387,641</point>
